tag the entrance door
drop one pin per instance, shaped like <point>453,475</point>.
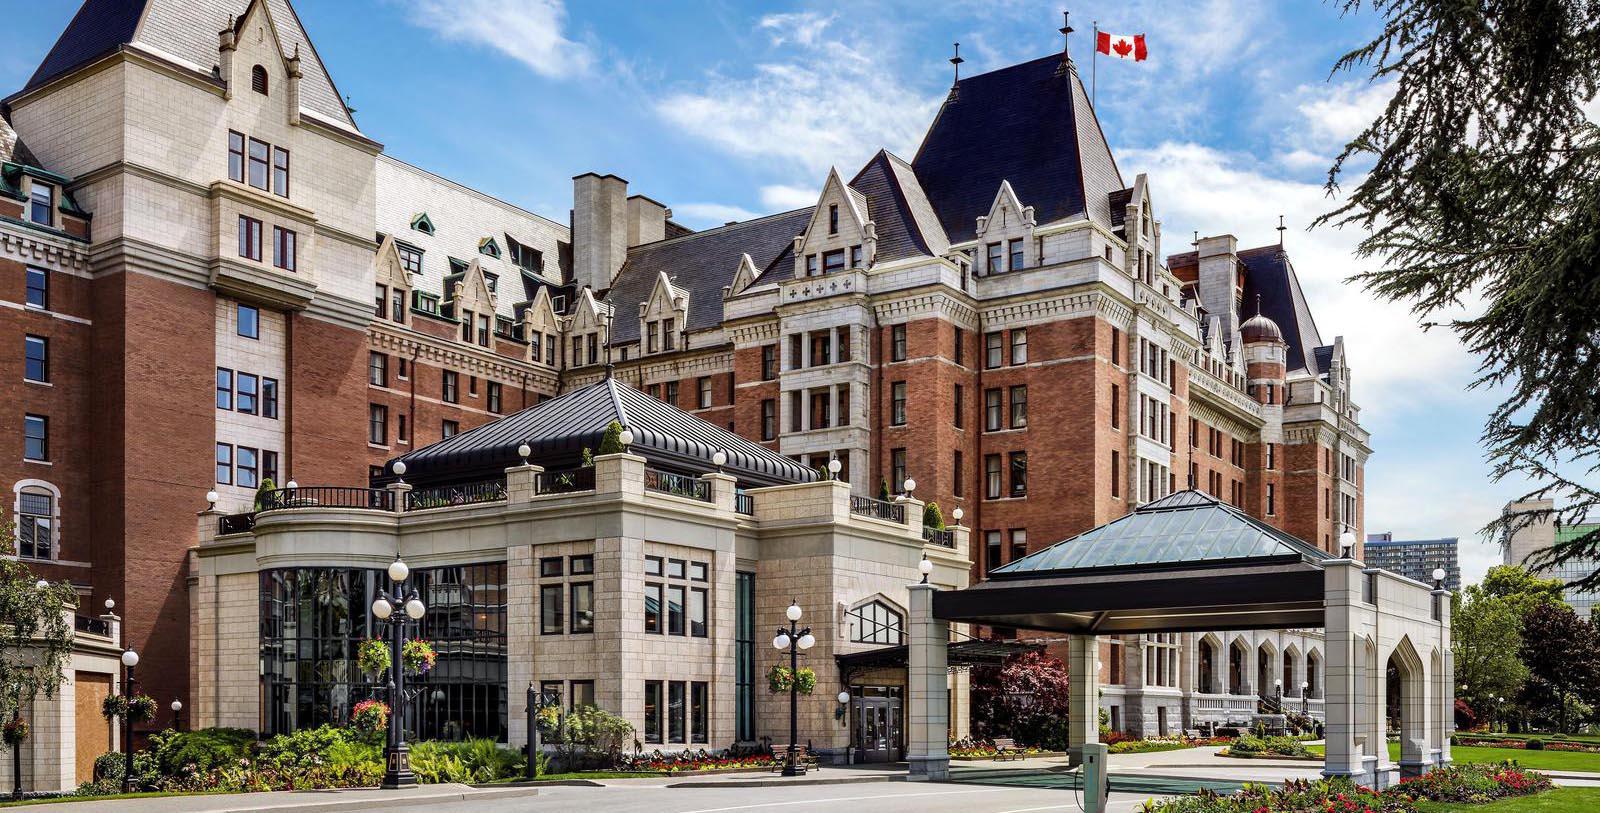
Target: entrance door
<point>877,734</point>
<point>94,730</point>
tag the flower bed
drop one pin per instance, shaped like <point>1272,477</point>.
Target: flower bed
<point>1554,742</point>
<point>968,748</point>
<point>1149,746</point>
<point>1470,784</point>
<point>700,761</point>
<point>1251,746</point>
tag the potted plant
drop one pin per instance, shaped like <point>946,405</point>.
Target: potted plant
<point>369,716</point>
<point>372,657</point>
<point>418,656</point>
<point>141,708</point>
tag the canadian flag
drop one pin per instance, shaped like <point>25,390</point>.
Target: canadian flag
<point>1121,46</point>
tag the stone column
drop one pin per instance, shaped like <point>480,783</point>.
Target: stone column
<point>1342,580</point>
<point>1083,702</point>
<point>724,488</point>
<point>522,482</point>
<point>927,689</point>
<point>1445,681</point>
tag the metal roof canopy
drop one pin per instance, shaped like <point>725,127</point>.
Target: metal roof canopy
<point>1184,563</point>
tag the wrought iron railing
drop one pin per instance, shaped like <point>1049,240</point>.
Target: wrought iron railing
<point>562,482</point>
<point>236,523</point>
<point>91,625</point>
<point>744,504</point>
<point>678,485</point>
<point>942,537</point>
<point>362,499</point>
<point>878,509</point>
<point>463,494</point>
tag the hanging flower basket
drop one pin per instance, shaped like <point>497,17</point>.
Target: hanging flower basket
<point>113,706</point>
<point>779,679</point>
<point>418,656</point>
<point>14,731</point>
<point>141,708</point>
<point>372,658</point>
<point>370,716</point>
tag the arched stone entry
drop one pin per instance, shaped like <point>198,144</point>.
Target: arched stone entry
<point>1406,693</point>
<point>1266,659</point>
<point>1313,674</point>
<point>1238,654</point>
<point>1291,683</point>
<point>1206,676</point>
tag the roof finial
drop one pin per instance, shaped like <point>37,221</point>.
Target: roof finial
<point>1066,30</point>
<point>1258,304</point>
<point>611,369</point>
<point>956,61</point>
<point>1280,231</point>
<point>1196,242</point>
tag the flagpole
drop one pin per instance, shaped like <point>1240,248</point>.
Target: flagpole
<point>1094,64</point>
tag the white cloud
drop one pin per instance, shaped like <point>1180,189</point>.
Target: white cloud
<point>529,31</point>
<point>800,28</point>
<point>704,215</point>
<point>784,197</point>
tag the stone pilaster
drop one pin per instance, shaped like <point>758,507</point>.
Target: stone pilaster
<point>928,689</point>
<point>1345,695</point>
<point>1083,703</point>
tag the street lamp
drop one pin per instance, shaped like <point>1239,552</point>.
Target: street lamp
<point>794,639</point>
<point>130,659</point>
<point>1305,701</point>
<point>1438,578</point>
<point>1347,545</point>
<point>925,567</point>
<point>177,709</point>
<point>957,514</point>
<point>833,468</point>
<point>396,754</point>
<point>719,459</point>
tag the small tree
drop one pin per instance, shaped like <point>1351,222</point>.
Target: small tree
<point>883,490</point>
<point>931,517</point>
<point>587,460</point>
<point>267,487</point>
<point>35,637</point>
<point>1562,652</point>
<point>611,442</point>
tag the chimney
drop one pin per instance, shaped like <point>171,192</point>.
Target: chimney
<point>226,45</point>
<point>293,98</point>
<point>600,229</point>
<point>1218,275</point>
<point>647,220</point>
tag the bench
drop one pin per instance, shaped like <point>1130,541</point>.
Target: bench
<point>1006,748</point>
<point>804,760</point>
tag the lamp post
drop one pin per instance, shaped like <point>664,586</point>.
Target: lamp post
<point>1305,702</point>
<point>177,711</point>
<point>833,468</point>
<point>130,659</point>
<point>396,754</point>
<point>1277,686</point>
<point>794,639</point>
<point>537,700</point>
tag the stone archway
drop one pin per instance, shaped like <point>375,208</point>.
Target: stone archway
<point>1208,669</point>
<point>1291,671</point>
<point>1266,663</point>
<point>1313,676</point>
<point>1406,693</point>
<point>1238,656</point>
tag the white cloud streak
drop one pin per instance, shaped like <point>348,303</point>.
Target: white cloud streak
<point>529,31</point>
<point>707,215</point>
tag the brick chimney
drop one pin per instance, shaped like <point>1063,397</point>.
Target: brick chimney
<point>647,220</point>
<point>600,228</point>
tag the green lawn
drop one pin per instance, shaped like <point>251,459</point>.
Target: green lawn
<point>7,801</point>
<point>1560,800</point>
<point>1537,760</point>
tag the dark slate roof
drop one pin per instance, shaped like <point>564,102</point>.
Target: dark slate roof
<point>1324,358</point>
<point>560,429</point>
<point>701,263</point>
<point>896,204</point>
<point>1187,527</point>
<point>1030,124</point>
<point>11,147</point>
<point>1269,274</point>
<point>187,30</point>
<point>1118,201</point>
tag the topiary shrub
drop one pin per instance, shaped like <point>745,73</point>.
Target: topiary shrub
<point>931,517</point>
<point>1534,744</point>
<point>883,490</point>
<point>267,487</point>
<point>611,441</point>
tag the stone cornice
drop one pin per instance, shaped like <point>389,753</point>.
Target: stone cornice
<point>31,248</point>
<point>384,335</point>
<point>1203,386</point>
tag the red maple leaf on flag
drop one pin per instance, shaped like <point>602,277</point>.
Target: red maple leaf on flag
<point>1122,47</point>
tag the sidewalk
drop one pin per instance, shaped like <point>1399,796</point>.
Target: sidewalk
<point>304,801</point>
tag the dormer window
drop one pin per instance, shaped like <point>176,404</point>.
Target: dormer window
<point>811,265</point>
<point>833,261</point>
<point>833,218</point>
<point>42,204</point>
<point>422,223</point>
<point>258,80</point>
<point>488,246</point>
<point>855,256</point>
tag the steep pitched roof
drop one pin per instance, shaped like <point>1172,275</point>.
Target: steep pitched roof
<point>906,224</point>
<point>700,263</point>
<point>1269,274</point>
<point>11,147</point>
<point>558,430</point>
<point>1030,124</point>
<point>186,31</point>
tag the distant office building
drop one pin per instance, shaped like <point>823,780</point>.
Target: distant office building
<point>1537,536</point>
<point>1415,558</point>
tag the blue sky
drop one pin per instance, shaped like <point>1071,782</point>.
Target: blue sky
<point>724,110</point>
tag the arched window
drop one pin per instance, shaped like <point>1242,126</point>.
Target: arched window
<point>258,80</point>
<point>876,623</point>
<point>37,519</point>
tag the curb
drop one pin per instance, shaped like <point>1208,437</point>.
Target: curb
<point>369,804</point>
<point>788,782</point>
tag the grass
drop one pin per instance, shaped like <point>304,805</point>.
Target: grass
<point>1560,800</point>
<point>1537,760</point>
<point>54,800</point>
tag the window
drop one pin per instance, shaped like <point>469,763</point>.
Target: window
<point>401,433</point>
<point>1019,346</point>
<point>652,711</point>
<point>993,350</point>
<point>667,334</point>
<point>236,156</point>
<point>699,605</point>
<point>1116,407</point>
<point>897,468</point>
<point>991,409</point>
<point>699,716</point>
<point>495,397</point>
<point>380,301</point>
<point>36,355</point>
<point>257,176</point>
<point>1019,406</point>
<point>961,347</point>
<point>224,464</point>
<point>1019,474</point>
<point>38,288</point>
<point>833,218</point>
<point>249,238</point>
<point>1272,455</point>
<point>258,79</point>
<point>35,524</point>
<point>1019,543</point>
<point>377,424</point>
<point>769,419</point>
<point>995,257</point>
<point>991,551</point>
<point>833,261</point>
<point>811,265</point>
<point>269,397</point>
<point>452,387</point>
<point>582,565</point>
<point>820,417</point>
<point>992,478</point>
<point>280,171</point>
<point>245,468</point>
<point>1116,474</point>
<point>897,343</point>
<point>582,693</point>
<point>675,711</point>
<point>769,362</point>
<point>703,387</point>
<point>652,604</point>
<point>449,429</point>
<point>796,411</point>
<point>35,437</point>
<point>245,391</point>
<point>744,655</point>
<point>550,609</point>
<point>224,388</point>
<point>283,250</point>
<point>1272,499</point>
<point>552,566</point>
<point>377,369</point>
<point>876,623</point>
<point>675,602</point>
<point>1014,250</point>
<point>855,256</point>
<point>483,335</point>
<point>897,403</point>
<point>958,476</point>
<point>956,401</point>
<point>583,607</point>
<point>42,203</point>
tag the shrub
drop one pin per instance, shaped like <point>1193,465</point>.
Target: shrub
<point>1252,745</point>
<point>611,441</point>
<point>469,761</point>
<point>594,736</point>
<point>932,517</point>
<point>1469,784</point>
<point>208,748</point>
<point>1534,744</point>
<point>369,716</point>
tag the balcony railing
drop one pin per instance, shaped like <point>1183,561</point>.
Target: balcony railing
<point>236,523</point>
<point>878,509</point>
<point>464,494</point>
<point>678,485</point>
<point>942,537</point>
<point>361,499</point>
<point>563,482</point>
<point>744,504</point>
<point>91,625</point>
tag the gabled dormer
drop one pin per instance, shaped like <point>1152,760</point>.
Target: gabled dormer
<point>743,277</point>
<point>254,64</point>
<point>488,247</point>
<point>663,317</point>
<point>393,282</point>
<point>839,235</point>
<point>541,328</point>
<point>473,303</point>
<point>1005,235</point>
<point>1142,233</point>
<point>421,222</point>
<point>588,330</point>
